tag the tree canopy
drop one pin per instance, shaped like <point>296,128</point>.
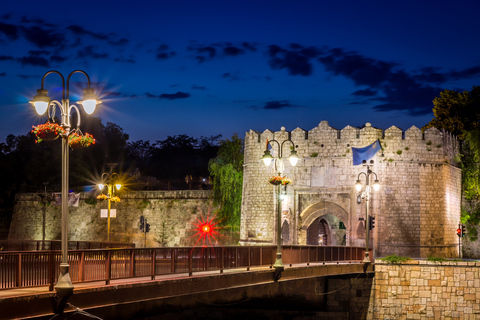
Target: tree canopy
<point>456,112</point>
<point>227,173</point>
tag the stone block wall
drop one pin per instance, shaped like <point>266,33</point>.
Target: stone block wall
<point>416,211</point>
<point>426,290</point>
<point>171,214</point>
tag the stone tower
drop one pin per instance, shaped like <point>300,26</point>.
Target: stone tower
<point>416,211</point>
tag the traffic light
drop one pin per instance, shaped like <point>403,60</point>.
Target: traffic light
<point>147,227</point>
<point>464,231</point>
<point>142,223</point>
<point>371,221</point>
<point>459,232</point>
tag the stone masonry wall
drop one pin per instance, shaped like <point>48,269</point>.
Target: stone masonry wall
<point>426,290</point>
<point>416,211</point>
<point>171,215</point>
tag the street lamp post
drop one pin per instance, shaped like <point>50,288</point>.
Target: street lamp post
<point>279,168</point>
<point>110,180</point>
<point>42,103</point>
<point>366,195</point>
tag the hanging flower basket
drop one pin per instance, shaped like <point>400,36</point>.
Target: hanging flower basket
<point>115,199</point>
<point>102,197</point>
<point>276,180</point>
<point>47,132</point>
<point>79,141</point>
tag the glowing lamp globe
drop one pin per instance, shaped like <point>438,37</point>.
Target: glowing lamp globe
<point>293,158</point>
<point>376,185</point>
<point>267,158</point>
<point>118,186</point>
<point>89,100</point>
<point>358,185</point>
<point>41,101</point>
<point>101,186</point>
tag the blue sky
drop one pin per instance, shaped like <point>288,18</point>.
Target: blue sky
<point>203,68</point>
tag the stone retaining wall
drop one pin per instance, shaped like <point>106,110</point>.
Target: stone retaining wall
<point>171,214</point>
<point>426,290</point>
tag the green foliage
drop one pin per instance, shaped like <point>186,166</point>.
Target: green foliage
<point>399,152</point>
<point>395,259</point>
<point>227,173</point>
<point>429,143</point>
<point>407,148</point>
<point>456,112</point>
<point>390,160</point>
<point>314,154</point>
<point>91,201</point>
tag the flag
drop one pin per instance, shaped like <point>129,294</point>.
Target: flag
<point>73,199</point>
<point>365,153</point>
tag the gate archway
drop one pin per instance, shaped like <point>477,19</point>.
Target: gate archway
<point>324,223</point>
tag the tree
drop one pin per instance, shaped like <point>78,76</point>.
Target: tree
<point>227,172</point>
<point>456,112</point>
<point>470,164</point>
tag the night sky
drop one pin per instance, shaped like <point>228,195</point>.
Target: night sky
<point>203,68</point>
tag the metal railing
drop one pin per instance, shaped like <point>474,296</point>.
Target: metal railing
<point>40,268</point>
<point>35,245</point>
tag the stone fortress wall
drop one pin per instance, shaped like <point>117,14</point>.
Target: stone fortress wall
<point>417,209</point>
<point>171,214</point>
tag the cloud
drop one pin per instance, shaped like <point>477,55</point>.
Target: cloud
<point>362,70</point>
<point>80,31</point>
<point>5,58</point>
<point>195,87</point>
<point>33,61</point>
<point>38,52</point>
<point>125,60</point>
<point>230,76</point>
<point>43,38</point>
<point>57,59</point>
<point>9,30</point>
<point>233,51</point>
<point>3,74</point>
<point>26,76</point>
<point>88,52</point>
<point>163,52</point>
<point>275,105</point>
<point>226,49</point>
<point>365,93</point>
<point>169,96</point>
<point>296,59</point>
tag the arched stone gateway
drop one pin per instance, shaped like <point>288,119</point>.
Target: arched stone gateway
<point>323,223</point>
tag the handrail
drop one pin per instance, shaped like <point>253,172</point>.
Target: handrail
<point>40,268</point>
<point>36,245</point>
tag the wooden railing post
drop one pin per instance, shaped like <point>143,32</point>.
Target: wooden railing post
<point>152,269</point>
<point>222,262</point>
<point>132,263</point>
<point>108,267</point>
<point>190,264</point>
<point>172,261</point>
<point>81,267</point>
<point>18,279</point>
<point>51,269</point>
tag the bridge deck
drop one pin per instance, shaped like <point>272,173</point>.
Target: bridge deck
<point>130,296</point>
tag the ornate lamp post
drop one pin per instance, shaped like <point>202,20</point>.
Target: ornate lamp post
<point>366,195</point>
<point>42,103</point>
<point>279,168</point>
<point>110,180</point>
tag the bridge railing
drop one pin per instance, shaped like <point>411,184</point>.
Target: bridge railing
<point>40,268</point>
<point>35,245</point>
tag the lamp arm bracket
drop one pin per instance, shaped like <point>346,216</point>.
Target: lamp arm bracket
<point>63,80</point>
<point>71,74</point>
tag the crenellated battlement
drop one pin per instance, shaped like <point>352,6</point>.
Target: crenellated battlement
<point>397,145</point>
<point>415,209</point>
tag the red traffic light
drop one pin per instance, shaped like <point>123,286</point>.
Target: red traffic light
<point>459,232</point>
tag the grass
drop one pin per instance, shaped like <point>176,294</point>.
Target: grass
<point>395,259</point>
